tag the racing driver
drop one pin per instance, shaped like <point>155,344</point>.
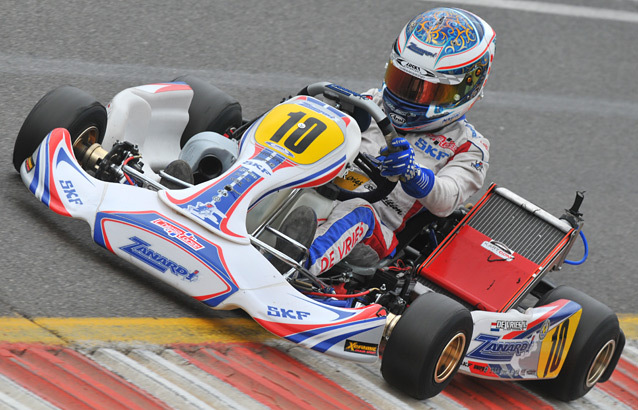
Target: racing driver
<point>437,70</point>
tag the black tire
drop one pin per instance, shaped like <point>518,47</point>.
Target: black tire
<point>64,107</point>
<point>593,350</point>
<point>211,109</point>
<point>427,345</point>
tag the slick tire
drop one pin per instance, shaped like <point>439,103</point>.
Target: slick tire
<point>595,349</point>
<point>211,109</point>
<point>64,107</point>
<point>427,345</point>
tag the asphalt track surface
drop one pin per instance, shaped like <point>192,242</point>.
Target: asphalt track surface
<point>560,111</point>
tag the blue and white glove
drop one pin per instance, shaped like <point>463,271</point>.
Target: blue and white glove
<point>416,180</point>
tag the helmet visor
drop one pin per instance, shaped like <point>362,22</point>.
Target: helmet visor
<point>423,92</point>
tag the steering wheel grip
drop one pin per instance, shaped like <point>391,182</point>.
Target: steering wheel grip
<point>364,162</point>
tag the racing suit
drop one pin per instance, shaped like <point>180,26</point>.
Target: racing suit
<point>458,157</point>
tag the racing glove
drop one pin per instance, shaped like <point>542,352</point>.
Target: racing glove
<point>416,180</point>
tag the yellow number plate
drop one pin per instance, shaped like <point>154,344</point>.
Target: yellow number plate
<point>555,346</point>
<point>299,133</point>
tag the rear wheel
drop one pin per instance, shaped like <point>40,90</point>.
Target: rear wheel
<point>595,349</point>
<point>64,107</point>
<point>211,109</point>
<point>427,345</point>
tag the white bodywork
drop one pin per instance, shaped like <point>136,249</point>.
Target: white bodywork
<point>195,239</point>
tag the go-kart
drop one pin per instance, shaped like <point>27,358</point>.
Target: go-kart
<point>464,293</point>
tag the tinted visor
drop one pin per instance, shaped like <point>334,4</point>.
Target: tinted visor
<point>418,91</point>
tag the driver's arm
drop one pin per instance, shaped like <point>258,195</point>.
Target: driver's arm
<point>443,192</point>
<point>460,178</point>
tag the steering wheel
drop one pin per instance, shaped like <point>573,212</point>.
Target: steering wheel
<point>369,165</point>
<point>362,109</point>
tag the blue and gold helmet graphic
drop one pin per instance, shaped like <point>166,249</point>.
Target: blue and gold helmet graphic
<point>437,69</point>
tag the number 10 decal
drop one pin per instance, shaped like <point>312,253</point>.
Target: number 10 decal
<point>299,133</point>
<point>559,338</point>
<point>555,346</point>
<point>303,136</point>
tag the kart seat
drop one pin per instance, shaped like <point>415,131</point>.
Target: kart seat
<point>152,117</point>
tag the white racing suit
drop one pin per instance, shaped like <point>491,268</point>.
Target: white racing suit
<point>457,154</point>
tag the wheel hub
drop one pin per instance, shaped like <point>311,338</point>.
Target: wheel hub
<point>452,354</point>
<point>86,149</point>
<point>600,363</point>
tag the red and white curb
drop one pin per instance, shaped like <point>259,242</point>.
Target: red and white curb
<point>248,375</point>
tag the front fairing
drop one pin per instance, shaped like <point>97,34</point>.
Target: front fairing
<point>522,346</point>
<point>300,143</point>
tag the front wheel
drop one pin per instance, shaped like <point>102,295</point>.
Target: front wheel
<point>427,345</point>
<point>594,352</point>
<point>64,107</point>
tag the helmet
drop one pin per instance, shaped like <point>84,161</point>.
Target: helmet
<point>437,70</point>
